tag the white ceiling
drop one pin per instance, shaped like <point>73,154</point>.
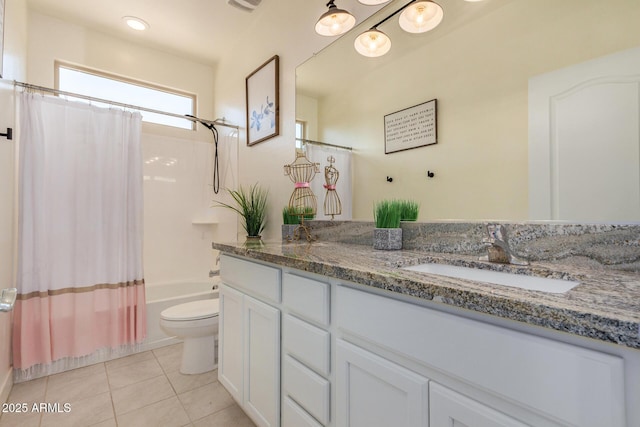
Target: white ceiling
<point>204,30</point>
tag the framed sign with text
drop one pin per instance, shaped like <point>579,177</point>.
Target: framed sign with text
<point>411,128</point>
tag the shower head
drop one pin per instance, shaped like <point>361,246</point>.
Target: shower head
<point>209,126</point>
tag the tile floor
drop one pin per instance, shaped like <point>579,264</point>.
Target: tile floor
<point>145,389</point>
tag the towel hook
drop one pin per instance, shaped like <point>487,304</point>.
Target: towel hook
<point>9,134</point>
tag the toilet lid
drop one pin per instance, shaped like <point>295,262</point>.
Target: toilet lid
<point>194,310</point>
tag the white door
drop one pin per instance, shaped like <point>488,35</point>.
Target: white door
<point>584,141</point>
<point>230,342</point>
<point>373,392</point>
<point>262,362</point>
<point>451,409</point>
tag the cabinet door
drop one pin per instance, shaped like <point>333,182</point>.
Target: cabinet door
<point>230,342</point>
<point>449,408</point>
<point>261,362</point>
<point>373,392</point>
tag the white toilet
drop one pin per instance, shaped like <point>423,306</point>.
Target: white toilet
<point>196,323</point>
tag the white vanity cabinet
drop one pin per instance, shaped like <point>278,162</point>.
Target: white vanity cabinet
<point>306,348</point>
<point>249,338</point>
<point>449,408</point>
<point>501,376</point>
<point>373,391</point>
<point>301,350</point>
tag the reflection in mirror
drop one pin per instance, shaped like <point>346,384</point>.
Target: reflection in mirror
<point>488,64</point>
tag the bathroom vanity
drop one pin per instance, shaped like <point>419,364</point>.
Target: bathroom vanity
<point>335,334</point>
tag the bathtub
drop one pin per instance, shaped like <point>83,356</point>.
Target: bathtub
<point>162,296</point>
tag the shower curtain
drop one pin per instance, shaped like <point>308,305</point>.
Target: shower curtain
<point>79,274</point>
<point>319,154</point>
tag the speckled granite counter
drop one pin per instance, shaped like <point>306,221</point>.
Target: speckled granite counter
<point>605,306</point>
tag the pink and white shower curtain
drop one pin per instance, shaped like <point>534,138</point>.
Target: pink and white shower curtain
<point>79,274</point>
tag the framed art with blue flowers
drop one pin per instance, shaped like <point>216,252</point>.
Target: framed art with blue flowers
<point>263,104</point>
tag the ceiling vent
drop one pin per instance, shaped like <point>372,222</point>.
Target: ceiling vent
<point>246,5</point>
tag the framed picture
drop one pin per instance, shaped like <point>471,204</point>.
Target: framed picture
<point>263,103</point>
<point>411,128</point>
<point>1,34</point>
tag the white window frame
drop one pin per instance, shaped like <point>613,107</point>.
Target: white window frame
<point>302,125</point>
<point>189,125</point>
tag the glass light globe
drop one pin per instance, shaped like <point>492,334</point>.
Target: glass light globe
<point>372,43</point>
<point>421,16</point>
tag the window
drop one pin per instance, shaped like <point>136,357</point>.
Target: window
<point>97,84</point>
<point>301,131</point>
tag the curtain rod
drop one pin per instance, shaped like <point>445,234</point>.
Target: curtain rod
<point>216,122</point>
<point>312,142</point>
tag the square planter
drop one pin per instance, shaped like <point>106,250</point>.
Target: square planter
<point>387,239</point>
<point>287,231</point>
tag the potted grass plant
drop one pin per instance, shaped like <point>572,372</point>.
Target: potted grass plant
<point>409,210</point>
<point>251,205</point>
<point>387,235</point>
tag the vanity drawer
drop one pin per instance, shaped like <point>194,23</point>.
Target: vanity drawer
<point>257,279</point>
<point>307,298</point>
<point>294,416</point>
<point>307,388</point>
<point>307,343</point>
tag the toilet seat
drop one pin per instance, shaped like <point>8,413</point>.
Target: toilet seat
<point>195,310</point>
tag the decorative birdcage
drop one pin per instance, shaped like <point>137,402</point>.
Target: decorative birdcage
<point>332,204</point>
<point>302,201</point>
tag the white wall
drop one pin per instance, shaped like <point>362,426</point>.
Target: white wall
<point>14,67</point>
<point>307,111</point>
<point>479,74</point>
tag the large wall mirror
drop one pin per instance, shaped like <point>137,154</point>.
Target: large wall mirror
<point>538,110</point>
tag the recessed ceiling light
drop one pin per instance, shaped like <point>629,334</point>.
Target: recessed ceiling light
<point>135,23</point>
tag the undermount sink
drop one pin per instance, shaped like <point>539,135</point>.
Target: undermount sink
<point>532,283</point>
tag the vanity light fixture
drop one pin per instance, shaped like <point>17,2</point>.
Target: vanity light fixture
<point>417,16</point>
<point>421,16</point>
<point>135,23</point>
<point>372,43</point>
<point>334,21</point>
<point>372,2</point>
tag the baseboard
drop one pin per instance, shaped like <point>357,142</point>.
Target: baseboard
<point>6,385</point>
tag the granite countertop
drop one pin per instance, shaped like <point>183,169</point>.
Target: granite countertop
<point>605,305</point>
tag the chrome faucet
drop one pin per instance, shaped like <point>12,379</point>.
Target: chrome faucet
<point>498,249</point>
<point>213,273</point>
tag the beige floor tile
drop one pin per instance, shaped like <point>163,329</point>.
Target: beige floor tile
<point>29,391</point>
<point>133,373</point>
<point>166,413</point>
<point>232,416</point>
<point>77,384</point>
<point>141,394</point>
<point>128,360</point>
<point>205,400</point>
<point>26,419</point>
<point>169,357</point>
<point>82,412</point>
<point>182,383</point>
<point>108,423</point>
